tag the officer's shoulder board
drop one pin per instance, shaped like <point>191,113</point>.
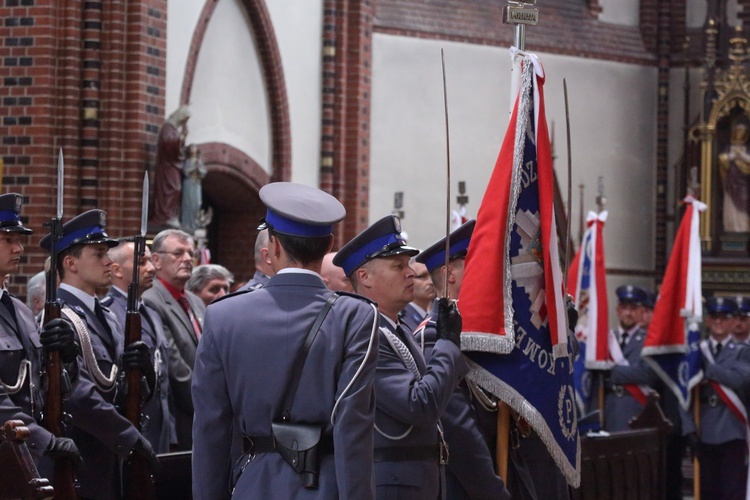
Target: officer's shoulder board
<point>236,293</point>
<point>356,296</point>
<point>77,309</point>
<point>107,301</point>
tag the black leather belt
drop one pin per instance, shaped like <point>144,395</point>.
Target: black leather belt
<point>407,454</point>
<point>265,444</point>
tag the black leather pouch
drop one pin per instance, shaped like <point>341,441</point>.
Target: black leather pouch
<point>298,445</point>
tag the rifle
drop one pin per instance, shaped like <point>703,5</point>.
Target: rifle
<point>137,481</point>
<point>63,479</point>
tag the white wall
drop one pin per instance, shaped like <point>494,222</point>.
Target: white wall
<point>229,101</point>
<point>623,12</point>
<point>613,122</point>
<point>299,33</point>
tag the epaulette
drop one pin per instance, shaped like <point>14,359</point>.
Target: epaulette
<point>77,309</point>
<point>107,301</point>
<point>236,293</point>
<point>356,296</point>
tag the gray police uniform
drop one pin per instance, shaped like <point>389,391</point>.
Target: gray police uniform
<point>20,370</point>
<point>722,435</point>
<point>470,472</point>
<point>20,350</point>
<point>102,435</point>
<point>258,280</point>
<point>249,354</point>
<point>159,426</point>
<point>409,406</point>
<point>182,342</point>
<point>244,365</point>
<point>619,405</point>
<point>411,317</point>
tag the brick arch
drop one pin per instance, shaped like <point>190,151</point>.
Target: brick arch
<point>273,75</point>
<point>231,187</point>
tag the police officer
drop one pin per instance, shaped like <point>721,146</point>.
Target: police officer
<point>741,329</point>
<point>627,383</point>
<point>263,268</point>
<point>411,393</point>
<point>726,370</point>
<point>158,426</point>
<point>101,433</point>
<point>253,347</point>
<point>21,346</point>
<point>470,472</point>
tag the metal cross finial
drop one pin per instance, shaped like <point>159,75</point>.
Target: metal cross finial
<point>601,200</point>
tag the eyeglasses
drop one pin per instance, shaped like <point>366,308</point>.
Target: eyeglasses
<point>179,253</point>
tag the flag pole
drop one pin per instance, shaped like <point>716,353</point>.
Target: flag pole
<point>601,200</point>
<point>519,13</point>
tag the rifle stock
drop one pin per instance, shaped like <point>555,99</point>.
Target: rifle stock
<point>138,482</point>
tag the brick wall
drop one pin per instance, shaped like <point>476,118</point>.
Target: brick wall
<point>345,136</point>
<point>87,77</point>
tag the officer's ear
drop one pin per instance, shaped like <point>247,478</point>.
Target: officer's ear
<point>116,270</point>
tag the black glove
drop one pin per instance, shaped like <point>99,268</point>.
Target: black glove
<point>58,335</point>
<point>448,321</point>
<point>143,448</point>
<point>693,444</point>
<point>61,447</point>
<point>572,313</point>
<point>137,355</point>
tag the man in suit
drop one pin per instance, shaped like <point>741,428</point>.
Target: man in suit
<point>724,392</point>
<point>424,294</point>
<point>470,472</point>
<point>251,350</point>
<point>21,344</point>
<point>411,393</point>
<point>103,435</point>
<point>159,424</point>
<point>181,312</point>
<point>626,384</point>
<point>210,282</point>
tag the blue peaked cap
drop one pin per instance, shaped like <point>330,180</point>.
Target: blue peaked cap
<point>382,239</point>
<point>10,214</point>
<point>743,305</point>
<point>434,256</point>
<point>299,210</point>
<point>85,229</point>
<point>721,305</point>
<point>631,294</point>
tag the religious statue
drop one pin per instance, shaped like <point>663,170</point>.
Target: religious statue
<point>193,172</point>
<point>168,173</point>
<point>734,169</point>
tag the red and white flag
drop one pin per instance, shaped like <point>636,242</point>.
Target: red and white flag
<point>671,344</point>
<point>587,283</point>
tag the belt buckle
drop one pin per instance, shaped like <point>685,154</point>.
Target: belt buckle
<point>618,390</point>
<point>444,454</point>
<point>713,400</point>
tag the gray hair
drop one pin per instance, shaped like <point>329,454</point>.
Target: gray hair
<point>205,273</point>
<point>35,287</point>
<point>158,243</point>
<point>261,242</point>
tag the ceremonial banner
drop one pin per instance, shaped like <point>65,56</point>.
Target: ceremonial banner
<point>588,285</point>
<point>512,298</point>
<point>671,347</point>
